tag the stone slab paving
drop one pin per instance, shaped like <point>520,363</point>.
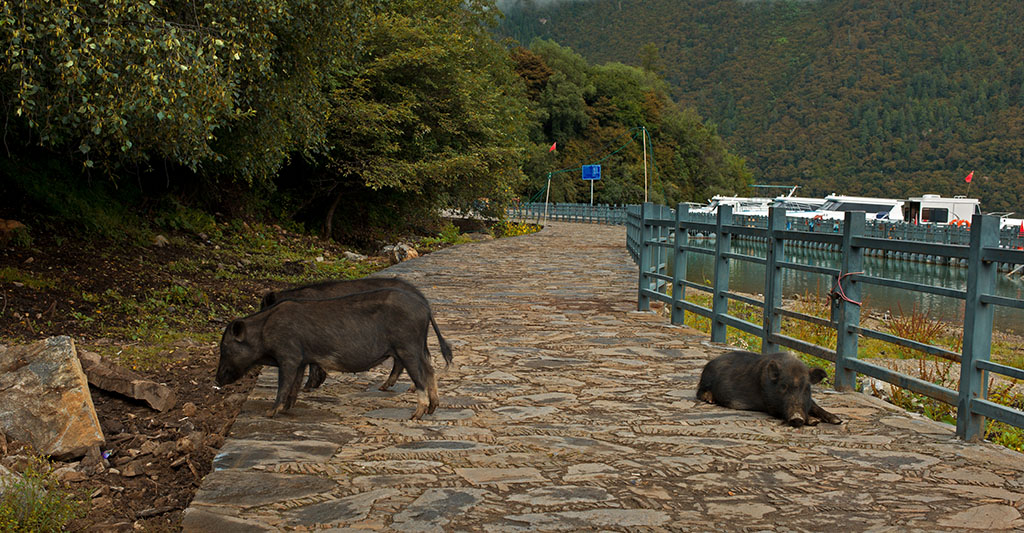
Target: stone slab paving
<point>567,410</point>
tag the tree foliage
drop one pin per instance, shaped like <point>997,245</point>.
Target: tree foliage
<point>345,113</point>
<point>594,113</point>
<point>190,83</point>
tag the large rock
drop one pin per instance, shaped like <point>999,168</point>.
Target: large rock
<point>108,376</point>
<point>44,398</point>
<point>397,253</point>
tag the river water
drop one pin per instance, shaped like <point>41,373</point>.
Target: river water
<point>747,277</point>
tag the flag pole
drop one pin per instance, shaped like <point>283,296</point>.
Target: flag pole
<point>644,130</point>
<point>547,195</point>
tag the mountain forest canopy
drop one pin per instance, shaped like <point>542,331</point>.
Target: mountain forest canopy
<point>887,99</point>
<point>343,114</point>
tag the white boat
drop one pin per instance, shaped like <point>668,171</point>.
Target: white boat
<point>741,205</point>
<point>1007,221</point>
<point>836,206</point>
<point>797,204</point>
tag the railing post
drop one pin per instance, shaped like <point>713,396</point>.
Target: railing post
<point>772,321</point>
<point>679,264</point>
<point>660,253</point>
<point>978,317</point>
<point>849,307</point>
<point>643,301</point>
<point>719,300</point>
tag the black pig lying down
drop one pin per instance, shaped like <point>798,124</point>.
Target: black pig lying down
<point>350,334</point>
<point>336,288</point>
<point>778,384</point>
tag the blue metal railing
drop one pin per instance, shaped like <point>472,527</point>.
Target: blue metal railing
<point>594,214</point>
<point>655,234</point>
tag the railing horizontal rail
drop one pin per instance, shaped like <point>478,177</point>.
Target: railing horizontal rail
<point>694,308</point>
<point>818,321</point>
<point>907,343</point>
<point>823,238</point>
<point>740,324</point>
<point>803,346</point>
<point>925,248</point>
<point>809,268</point>
<point>697,249</point>
<point>744,257</point>
<point>904,381</point>
<point>911,286</point>
<point>744,299</point>
<point>1002,370</point>
<point>998,412</point>
<point>695,285</point>
<point>1000,300</point>
<point>1003,255</point>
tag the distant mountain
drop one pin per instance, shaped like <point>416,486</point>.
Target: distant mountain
<point>846,96</point>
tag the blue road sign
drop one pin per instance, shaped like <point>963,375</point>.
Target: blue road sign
<point>591,172</point>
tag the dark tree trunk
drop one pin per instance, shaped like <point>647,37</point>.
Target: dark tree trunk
<point>329,222</point>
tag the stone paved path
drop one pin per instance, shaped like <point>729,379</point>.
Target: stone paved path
<point>567,410</point>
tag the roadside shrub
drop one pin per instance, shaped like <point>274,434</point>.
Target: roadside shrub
<point>34,501</point>
<point>508,228</point>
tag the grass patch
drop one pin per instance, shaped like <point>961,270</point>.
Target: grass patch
<point>13,275</point>
<point>448,236</point>
<point>35,501</point>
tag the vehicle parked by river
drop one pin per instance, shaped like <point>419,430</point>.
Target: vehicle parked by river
<point>934,209</point>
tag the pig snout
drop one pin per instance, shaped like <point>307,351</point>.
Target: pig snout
<point>226,375</point>
<point>796,420</point>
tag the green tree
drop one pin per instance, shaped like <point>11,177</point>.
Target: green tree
<point>193,84</point>
<point>429,109</point>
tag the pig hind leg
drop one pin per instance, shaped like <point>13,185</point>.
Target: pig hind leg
<point>410,359</point>
<point>704,389</point>
<point>396,371</point>
<point>317,375</point>
<point>431,381</point>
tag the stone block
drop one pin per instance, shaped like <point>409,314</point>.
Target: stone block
<point>45,400</point>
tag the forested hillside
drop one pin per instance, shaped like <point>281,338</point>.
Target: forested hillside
<point>845,96</point>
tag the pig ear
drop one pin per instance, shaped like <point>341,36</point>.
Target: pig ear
<point>817,375</point>
<point>238,330</point>
<point>773,370</point>
<point>269,299</point>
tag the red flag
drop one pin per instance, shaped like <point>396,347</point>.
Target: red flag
<point>969,177</point>
<point>552,149</point>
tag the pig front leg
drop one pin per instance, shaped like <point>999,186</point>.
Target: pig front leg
<point>818,412</point>
<point>396,371</point>
<point>287,377</point>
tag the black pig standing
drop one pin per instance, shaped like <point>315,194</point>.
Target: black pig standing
<point>336,288</point>
<point>349,334</point>
<point>778,384</point>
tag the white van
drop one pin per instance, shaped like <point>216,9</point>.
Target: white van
<point>934,209</point>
